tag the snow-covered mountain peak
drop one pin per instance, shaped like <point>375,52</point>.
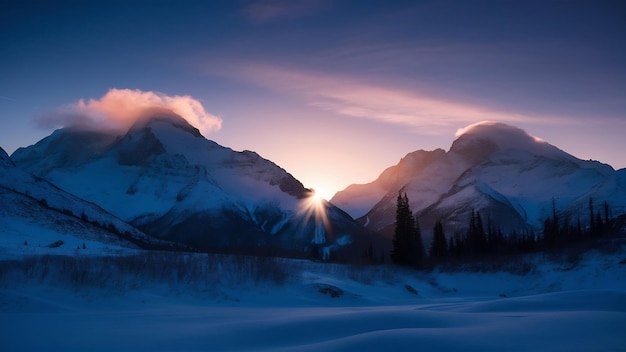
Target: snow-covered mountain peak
<point>412,163</point>
<point>164,177</point>
<point>160,117</point>
<point>479,141</point>
<point>503,135</point>
<point>499,170</point>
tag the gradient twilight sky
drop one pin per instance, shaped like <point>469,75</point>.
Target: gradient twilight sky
<point>332,91</point>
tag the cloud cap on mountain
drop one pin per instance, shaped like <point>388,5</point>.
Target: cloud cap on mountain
<point>118,109</point>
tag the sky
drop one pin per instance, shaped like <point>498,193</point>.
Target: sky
<point>332,91</point>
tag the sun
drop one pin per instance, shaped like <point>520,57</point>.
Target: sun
<point>316,197</point>
<point>315,202</point>
<point>314,208</point>
<point>319,195</point>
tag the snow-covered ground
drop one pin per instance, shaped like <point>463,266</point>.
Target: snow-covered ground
<point>185,302</point>
<point>21,237</point>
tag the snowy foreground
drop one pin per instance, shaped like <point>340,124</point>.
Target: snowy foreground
<point>165,302</point>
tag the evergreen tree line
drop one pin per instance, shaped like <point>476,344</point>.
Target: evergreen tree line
<point>482,241</point>
<point>407,245</point>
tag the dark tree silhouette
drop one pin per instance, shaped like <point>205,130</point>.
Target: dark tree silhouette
<point>476,239</point>
<point>407,239</point>
<point>417,245</point>
<point>438,248</point>
<point>592,225</point>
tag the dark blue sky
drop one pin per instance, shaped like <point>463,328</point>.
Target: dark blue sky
<point>334,83</point>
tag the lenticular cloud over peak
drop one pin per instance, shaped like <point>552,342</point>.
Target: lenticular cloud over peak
<point>120,108</point>
<point>497,131</point>
<point>508,137</point>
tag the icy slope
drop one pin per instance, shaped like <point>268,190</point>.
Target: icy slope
<point>166,178</point>
<point>35,214</point>
<point>501,171</point>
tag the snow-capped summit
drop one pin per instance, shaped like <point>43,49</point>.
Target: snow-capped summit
<point>165,117</point>
<point>480,140</point>
<point>511,177</point>
<point>163,176</point>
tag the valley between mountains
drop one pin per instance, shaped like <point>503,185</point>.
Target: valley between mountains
<point>158,238</point>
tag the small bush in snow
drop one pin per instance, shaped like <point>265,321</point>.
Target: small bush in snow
<point>332,291</point>
<point>410,289</point>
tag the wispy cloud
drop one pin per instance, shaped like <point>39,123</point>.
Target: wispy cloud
<point>361,99</point>
<point>269,10</point>
<point>6,98</point>
<point>120,108</point>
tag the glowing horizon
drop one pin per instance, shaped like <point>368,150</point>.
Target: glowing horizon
<point>333,92</point>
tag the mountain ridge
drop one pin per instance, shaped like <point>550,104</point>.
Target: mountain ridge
<point>40,214</point>
<point>165,178</point>
<point>510,176</point>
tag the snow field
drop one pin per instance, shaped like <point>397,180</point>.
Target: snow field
<point>15,232</point>
<point>188,302</point>
<point>161,325</point>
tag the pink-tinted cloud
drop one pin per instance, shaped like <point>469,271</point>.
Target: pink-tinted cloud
<point>120,108</point>
<point>352,97</point>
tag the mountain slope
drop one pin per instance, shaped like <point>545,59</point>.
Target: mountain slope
<point>166,178</point>
<point>35,214</point>
<point>512,178</point>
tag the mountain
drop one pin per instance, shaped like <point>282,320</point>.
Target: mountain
<point>510,177</point>
<point>37,217</point>
<point>165,178</point>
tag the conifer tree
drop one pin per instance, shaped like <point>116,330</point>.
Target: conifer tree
<point>400,241</point>
<point>476,234</point>
<point>407,240</point>
<point>370,251</point>
<point>551,228</point>
<point>555,230</point>
<point>592,226</point>
<point>417,245</point>
<point>451,247</point>
<point>438,248</point>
